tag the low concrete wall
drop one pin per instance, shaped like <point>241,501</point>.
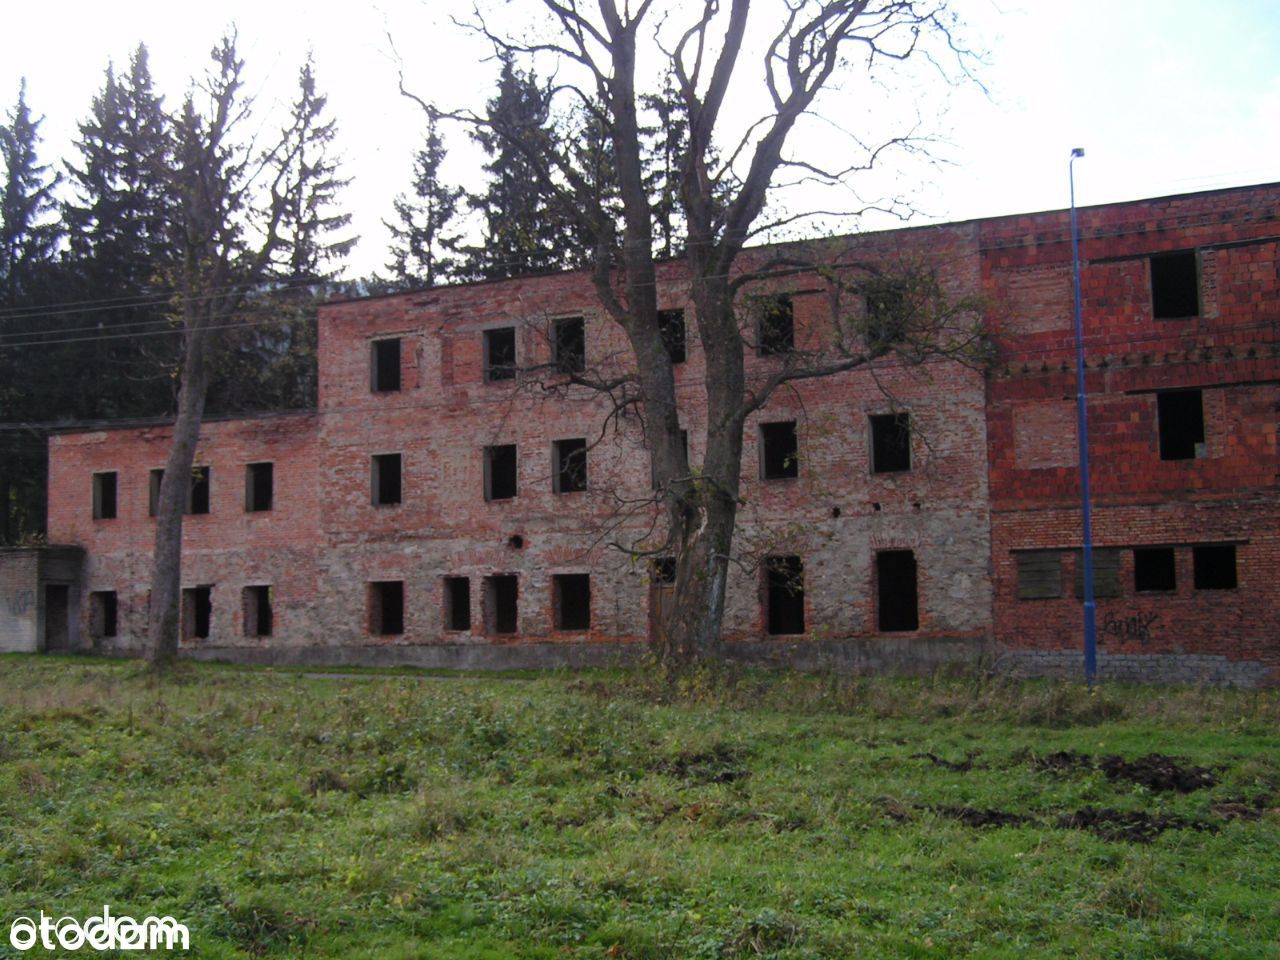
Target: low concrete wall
<point>906,656</point>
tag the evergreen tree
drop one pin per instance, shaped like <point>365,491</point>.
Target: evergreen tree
<point>28,240</point>
<point>525,230</point>
<point>422,251</point>
<point>307,186</point>
<point>120,253</point>
<point>28,237</point>
<point>271,365</point>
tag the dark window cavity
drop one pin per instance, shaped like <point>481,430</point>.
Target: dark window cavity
<point>104,496</point>
<point>784,595</point>
<point>103,613</point>
<point>572,601</point>
<point>890,442</point>
<point>500,472</point>
<point>1175,286</point>
<point>777,325</point>
<point>897,605</point>
<point>569,465</point>
<point>255,605</point>
<point>1106,573</point>
<point>387,486</point>
<point>1039,575</point>
<point>499,354</point>
<point>1215,567</point>
<point>570,342</point>
<point>198,492</point>
<point>663,570</point>
<point>1154,570</point>
<point>671,327</point>
<point>386,607</point>
<point>259,487</point>
<point>457,603</point>
<point>153,492</point>
<point>1181,417</point>
<point>501,614</point>
<point>384,366</point>
<point>888,311</point>
<point>779,450</point>
<point>197,612</point>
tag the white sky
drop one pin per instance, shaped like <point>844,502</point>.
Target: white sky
<point>1166,96</point>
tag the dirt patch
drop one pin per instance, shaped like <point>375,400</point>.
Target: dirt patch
<point>973,817</point>
<point>1134,826</point>
<point>719,764</point>
<point>958,766</point>
<point>1155,771</point>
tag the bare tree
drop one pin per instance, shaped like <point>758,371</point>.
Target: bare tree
<point>247,219</point>
<point>724,194</point>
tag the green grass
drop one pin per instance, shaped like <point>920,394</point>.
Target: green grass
<point>625,815</point>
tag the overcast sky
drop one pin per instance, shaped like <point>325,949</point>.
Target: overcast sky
<point>1166,96</point>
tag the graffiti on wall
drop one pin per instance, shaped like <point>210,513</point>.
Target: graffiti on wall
<point>1137,627</point>
<point>22,601</point>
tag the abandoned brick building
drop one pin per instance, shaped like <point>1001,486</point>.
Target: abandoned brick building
<point>440,507</point>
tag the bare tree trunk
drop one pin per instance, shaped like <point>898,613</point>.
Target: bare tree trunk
<point>166,566</point>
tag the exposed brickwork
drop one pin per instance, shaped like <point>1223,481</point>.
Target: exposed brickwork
<point>1227,493</point>
<point>993,468</point>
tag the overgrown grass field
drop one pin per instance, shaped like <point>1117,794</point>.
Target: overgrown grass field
<point>625,815</point>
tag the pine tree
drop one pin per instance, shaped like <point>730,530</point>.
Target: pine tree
<point>422,252</point>
<point>28,237</point>
<point>120,252</point>
<point>524,229</point>
<point>308,187</point>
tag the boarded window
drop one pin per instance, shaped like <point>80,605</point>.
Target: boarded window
<point>1175,285</point>
<point>779,450</point>
<point>197,612</point>
<point>777,332</point>
<point>500,472</point>
<point>890,442</point>
<point>672,329</point>
<point>1215,567</point>
<point>784,595</point>
<point>1039,575</point>
<point>384,365</point>
<point>255,605</point>
<point>570,345</point>
<point>457,603</point>
<point>569,465</point>
<point>386,479</point>
<point>897,594</point>
<point>499,354</point>
<point>103,613</point>
<point>1181,416</point>
<point>501,604</point>
<point>572,601</point>
<point>386,607</point>
<point>104,496</point>
<point>1106,573</point>
<point>259,487</point>
<point>1154,570</point>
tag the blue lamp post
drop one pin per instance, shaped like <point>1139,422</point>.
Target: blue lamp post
<point>1086,505</point>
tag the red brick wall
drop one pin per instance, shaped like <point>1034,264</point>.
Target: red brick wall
<point>836,514</point>
<point>1229,351</point>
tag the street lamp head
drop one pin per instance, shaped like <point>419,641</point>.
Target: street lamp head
<point>1077,152</point>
